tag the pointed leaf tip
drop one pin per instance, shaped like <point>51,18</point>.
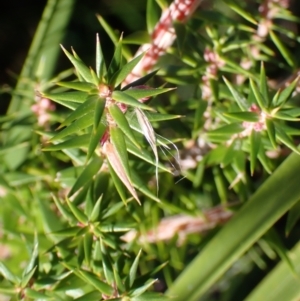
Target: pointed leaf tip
<point>116,163</point>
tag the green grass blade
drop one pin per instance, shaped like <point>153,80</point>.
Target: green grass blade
<point>293,217</point>
<point>262,210</point>
<point>280,284</point>
<point>44,47</point>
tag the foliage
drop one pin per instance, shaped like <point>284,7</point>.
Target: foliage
<point>182,183</point>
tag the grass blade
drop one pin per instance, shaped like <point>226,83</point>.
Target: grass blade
<point>248,226</point>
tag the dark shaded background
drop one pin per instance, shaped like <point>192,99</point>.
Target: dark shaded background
<point>19,20</point>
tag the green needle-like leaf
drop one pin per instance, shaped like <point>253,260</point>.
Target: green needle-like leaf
<point>264,84</point>
<point>35,295</point>
<point>99,108</point>
<point>137,38</point>
<point>77,126</point>
<point>119,184</point>
<point>74,142</point>
<point>149,134</point>
<point>91,296</point>
<point>112,210</point>
<point>119,164</point>
<point>100,61</point>
<point>122,122</point>
<point>7,274</point>
<point>77,97</point>
<point>243,116</point>
<point>294,112</point>
<point>144,155</point>
<point>118,141</point>
<point>95,137</point>
<point>125,98</point>
<point>96,282</point>
<point>26,277</point>
<point>271,132</point>
<point>87,245</point>
<point>139,291</point>
<point>32,264</point>
<point>241,12</point>
<point>121,74</point>
<point>282,97</point>
<point>81,68</point>
<point>231,153</point>
<point>87,175</point>
<point>146,92</point>
<point>96,80</point>
<point>285,139</point>
<point>258,96</point>
<point>284,116</point>
<point>283,50</point>
<point>106,264</point>
<point>80,216</point>
<point>113,36</point>
<point>154,117</point>
<point>228,129</point>
<point>64,211</point>
<point>81,255</point>
<point>133,269</point>
<point>96,210</point>
<point>84,108</point>
<point>264,160</point>
<point>119,227</point>
<point>80,86</point>
<point>240,99</point>
<point>254,149</point>
<point>233,67</point>
<point>118,280</point>
<point>116,61</point>
<point>141,81</point>
<point>142,187</point>
<point>109,30</point>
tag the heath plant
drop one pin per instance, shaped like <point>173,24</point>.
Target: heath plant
<point>168,170</point>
